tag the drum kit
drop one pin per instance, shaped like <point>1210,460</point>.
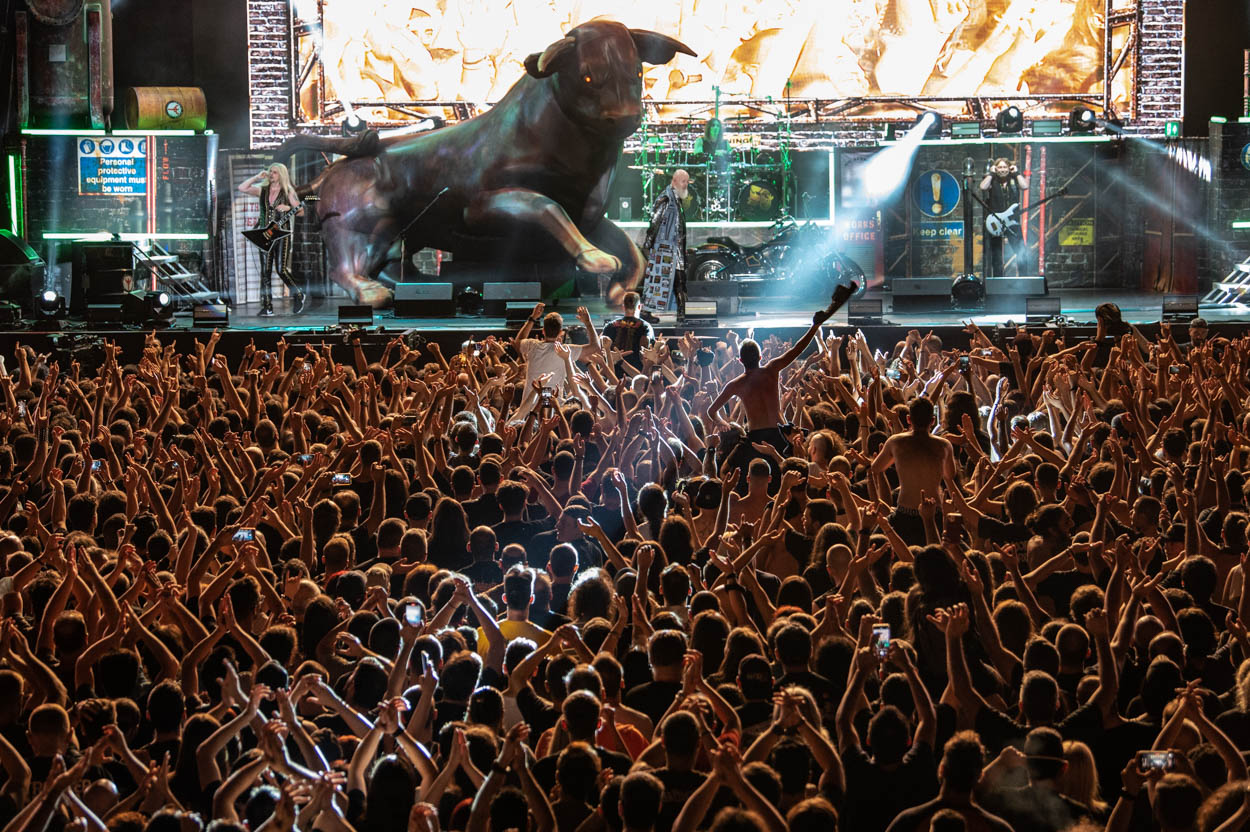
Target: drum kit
<point>739,181</point>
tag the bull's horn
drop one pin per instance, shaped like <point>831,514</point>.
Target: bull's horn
<point>553,53</point>
<point>654,48</point>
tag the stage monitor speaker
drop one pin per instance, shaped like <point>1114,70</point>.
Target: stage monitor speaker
<point>1043,308</point>
<point>102,272</point>
<point>701,313</point>
<point>939,287</point>
<point>495,296</point>
<point>512,291</point>
<point>105,312</point>
<point>356,315</point>
<point>726,294</point>
<point>1180,310</point>
<point>424,300</point>
<point>210,314</point>
<point>22,271</point>
<point>516,312</point>
<point>865,311</point>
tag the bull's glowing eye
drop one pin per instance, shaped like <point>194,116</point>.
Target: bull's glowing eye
<point>640,73</point>
<point>586,78</point>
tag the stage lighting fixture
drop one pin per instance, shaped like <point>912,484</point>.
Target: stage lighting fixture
<point>469,301</point>
<point>1010,121</point>
<point>160,307</point>
<point>1082,120</point>
<point>353,126</point>
<point>932,123</point>
<point>967,290</point>
<point>51,305</point>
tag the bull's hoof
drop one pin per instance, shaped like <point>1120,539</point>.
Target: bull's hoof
<point>598,262</point>
<point>372,293</point>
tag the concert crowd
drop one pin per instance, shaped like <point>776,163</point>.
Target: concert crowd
<point>543,584</point>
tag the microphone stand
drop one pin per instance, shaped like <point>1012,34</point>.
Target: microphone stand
<point>969,267</point>
<point>403,247</point>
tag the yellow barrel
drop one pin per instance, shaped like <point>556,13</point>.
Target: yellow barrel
<point>166,108</point>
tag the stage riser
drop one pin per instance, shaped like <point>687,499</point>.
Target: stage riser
<point>993,305</point>
<point>1021,287</point>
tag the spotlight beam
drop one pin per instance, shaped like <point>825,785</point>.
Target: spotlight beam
<point>887,170</point>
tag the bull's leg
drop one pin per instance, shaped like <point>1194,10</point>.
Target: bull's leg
<point>518,206</point>
<point>609,237</point>
<point>352,260</point>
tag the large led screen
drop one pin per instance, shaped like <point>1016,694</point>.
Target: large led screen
<point>472,50</point>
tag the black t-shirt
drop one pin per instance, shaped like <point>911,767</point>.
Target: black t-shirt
<point>1059,586</point>
<point>1235,723</point>
<point>518,531</point>
<point>484,573</point>
<point>537,712</point>
<point>827,694</point>
<point>538,550</point>
<point>630,335</point>
<point>996,531</point>
<point>755,712</point>
<point>544,770</point>
<point>818,579</point>
<point>653,698</point>
<point>547,619</point>
<point>484,511</point>
<point>610,520</point>
<point>997,729</point>
<point>1116,747</point>
<point>678,788</point>
<point>799,547</point>
<point>366,543</point>
<point>875,794</point>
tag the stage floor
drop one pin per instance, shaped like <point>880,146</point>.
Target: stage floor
<point>783,317</point>
<point>762,313</point>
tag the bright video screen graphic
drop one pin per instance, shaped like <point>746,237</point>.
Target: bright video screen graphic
<point>473,50</point>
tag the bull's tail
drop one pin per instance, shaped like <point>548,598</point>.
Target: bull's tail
<point>368,143</point>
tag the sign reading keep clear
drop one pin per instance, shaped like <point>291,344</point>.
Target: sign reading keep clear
<point>113,166</point>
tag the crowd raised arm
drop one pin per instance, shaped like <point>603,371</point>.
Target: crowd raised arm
<point>543,583</point>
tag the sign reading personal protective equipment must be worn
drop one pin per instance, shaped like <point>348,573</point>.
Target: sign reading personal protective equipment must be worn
<point>113,166</point>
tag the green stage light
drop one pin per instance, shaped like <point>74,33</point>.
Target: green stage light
<point>15,198</point>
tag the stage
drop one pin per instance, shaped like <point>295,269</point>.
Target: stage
<point>764,314</point>
<point>784,318</point>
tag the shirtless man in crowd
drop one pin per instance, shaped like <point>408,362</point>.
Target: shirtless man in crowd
<point>758,388</point>
<point>921,461</point>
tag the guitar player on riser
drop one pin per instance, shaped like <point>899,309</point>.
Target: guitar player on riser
<point>1002,186</point>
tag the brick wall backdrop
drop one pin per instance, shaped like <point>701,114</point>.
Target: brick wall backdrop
<point>269,70</point>
<point>1161,71</point>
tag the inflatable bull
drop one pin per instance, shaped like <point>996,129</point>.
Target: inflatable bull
<point>525,181</point>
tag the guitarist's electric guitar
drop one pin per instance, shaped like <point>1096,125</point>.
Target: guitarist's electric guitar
<point>277,230</point>
<point>1006,222</point>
